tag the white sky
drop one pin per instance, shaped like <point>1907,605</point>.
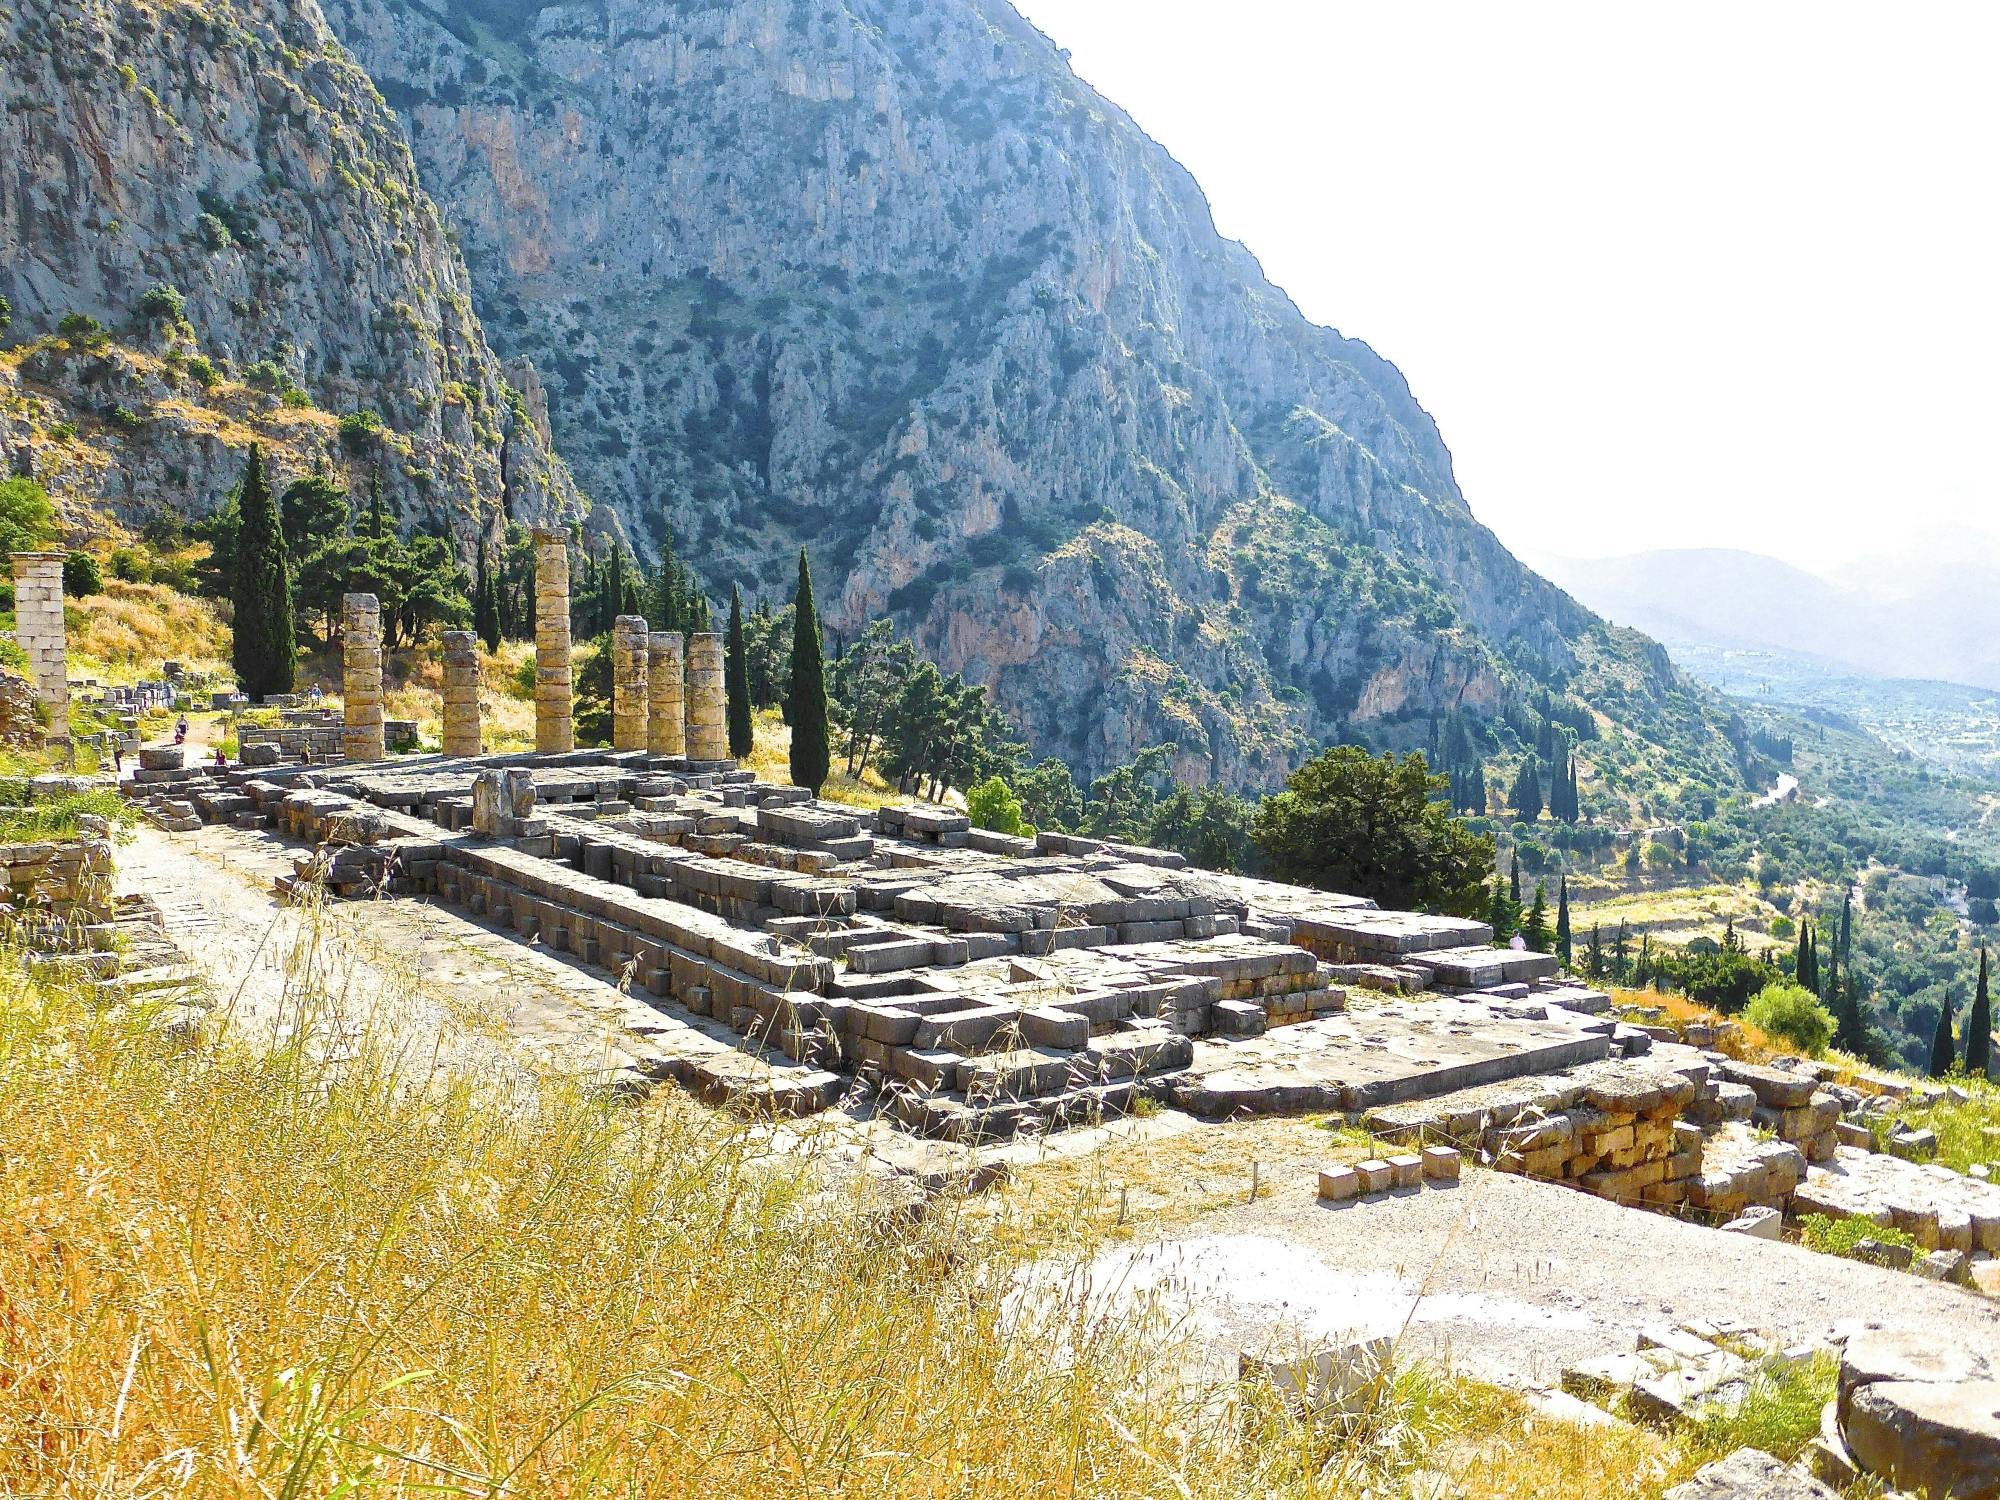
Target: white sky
<point>1698,274</point>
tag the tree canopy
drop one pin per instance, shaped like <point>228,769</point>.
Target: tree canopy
<point>1376,827</point>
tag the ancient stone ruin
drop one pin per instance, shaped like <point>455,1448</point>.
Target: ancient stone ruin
<point>361,677</point>
<point>38,630</point>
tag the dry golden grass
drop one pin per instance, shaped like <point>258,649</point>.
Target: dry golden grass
<point>771,759</point>
<point>125,632</point>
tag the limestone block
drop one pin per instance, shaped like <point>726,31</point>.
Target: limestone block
<point>486,804</point>
<point>1337,1184</point>
<point>1375,1176</point>
<point>707,731</point>
<point>1441,1163</point>
<point>1928,1437</point>
<point>518,792</point>
<point>1750,1474</point>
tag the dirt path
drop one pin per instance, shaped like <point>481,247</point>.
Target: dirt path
<point>1507,1278</point>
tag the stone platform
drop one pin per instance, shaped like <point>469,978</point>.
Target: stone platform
<point>969,985</point>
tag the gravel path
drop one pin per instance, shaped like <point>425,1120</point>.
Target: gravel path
<point>1511,1279</point>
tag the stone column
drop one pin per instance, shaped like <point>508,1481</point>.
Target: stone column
<point>666,729</point>
<point>461,693</point>
<point>555,731</point>
<point>707,734</point>
<point>628,683</point>
<point>361,678</point>
<point>38,630</point>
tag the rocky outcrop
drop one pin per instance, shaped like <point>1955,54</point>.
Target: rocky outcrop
<point>223,192</point>
<point>884,277</point>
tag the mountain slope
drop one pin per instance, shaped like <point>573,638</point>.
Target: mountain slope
<point>233,153</point>
<point>885,278</point>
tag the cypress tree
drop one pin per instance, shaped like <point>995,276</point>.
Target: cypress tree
<point>1563,945</point>
<point>1501,913</point>
<point>1528,790</point>
<point>1979,1027</point>
<point>1514,881</point>
<point>1944,1056</point>
<point>736,682</point>
<point>1850,1032</point>
<point>1619,955</point>
<point>1645,960</point>
<point>811,755</point>
<point>1594,967</point>
<point>486,604</point>
<point>1535,929</point>
<point>264,650</point>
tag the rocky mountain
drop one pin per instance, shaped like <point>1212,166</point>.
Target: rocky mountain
<point>211,230</point>
<point>885,278</point>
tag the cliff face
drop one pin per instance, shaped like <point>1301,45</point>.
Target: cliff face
<point>232,152</point>
<point>885,278</point>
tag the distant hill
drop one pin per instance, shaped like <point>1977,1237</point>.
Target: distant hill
<point>1932,613</point>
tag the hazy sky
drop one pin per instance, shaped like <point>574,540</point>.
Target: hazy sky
<point>1685,275</point>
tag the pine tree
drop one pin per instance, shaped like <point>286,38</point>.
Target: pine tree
<point>264,651</point>
<point>1944,1054</point>
<point>1979,1027</point>
<point>1535,927</point>
<point>736,682</point>
<point>1563,945</point>
<point>812,757</point>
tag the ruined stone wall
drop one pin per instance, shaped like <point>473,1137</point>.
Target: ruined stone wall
<point>38,628</point>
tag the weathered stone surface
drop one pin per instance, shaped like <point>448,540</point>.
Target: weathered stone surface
<point>555,730</point>
<point>1750,1474</point>
<point>460,734</point>
<point>39,632</point>
<point>1932,1437</point>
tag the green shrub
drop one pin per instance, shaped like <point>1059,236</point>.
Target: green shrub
<point>83,330</point>
<point>163,301</point>
<point>1832,1236</point>
<point>27,520</point>
<point>359,429</point>
<point>81,575</point>
<point>1794,1015</point>
<point>62,432</point>
<point>992,805</point>
<point>128,565</point>
<point>203,369</point>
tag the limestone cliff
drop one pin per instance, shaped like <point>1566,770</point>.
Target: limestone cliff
<point>222,191</point>
<point>886,278</point>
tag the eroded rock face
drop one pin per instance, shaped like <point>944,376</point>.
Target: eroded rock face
<point>885,277</point>
<point>234,153</point>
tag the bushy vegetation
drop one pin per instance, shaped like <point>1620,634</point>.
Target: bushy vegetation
<point>1841,1236</point>
<point>1793,1015</point>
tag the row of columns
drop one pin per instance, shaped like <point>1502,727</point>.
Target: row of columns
<point>658,704</point>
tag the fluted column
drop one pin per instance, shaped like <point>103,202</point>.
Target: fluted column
<point>707,734</point>
<point>628,683</point>
<point>555,731</point>
<point>361,678</point>
<point>461,693</point>
<point>666,725</point>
